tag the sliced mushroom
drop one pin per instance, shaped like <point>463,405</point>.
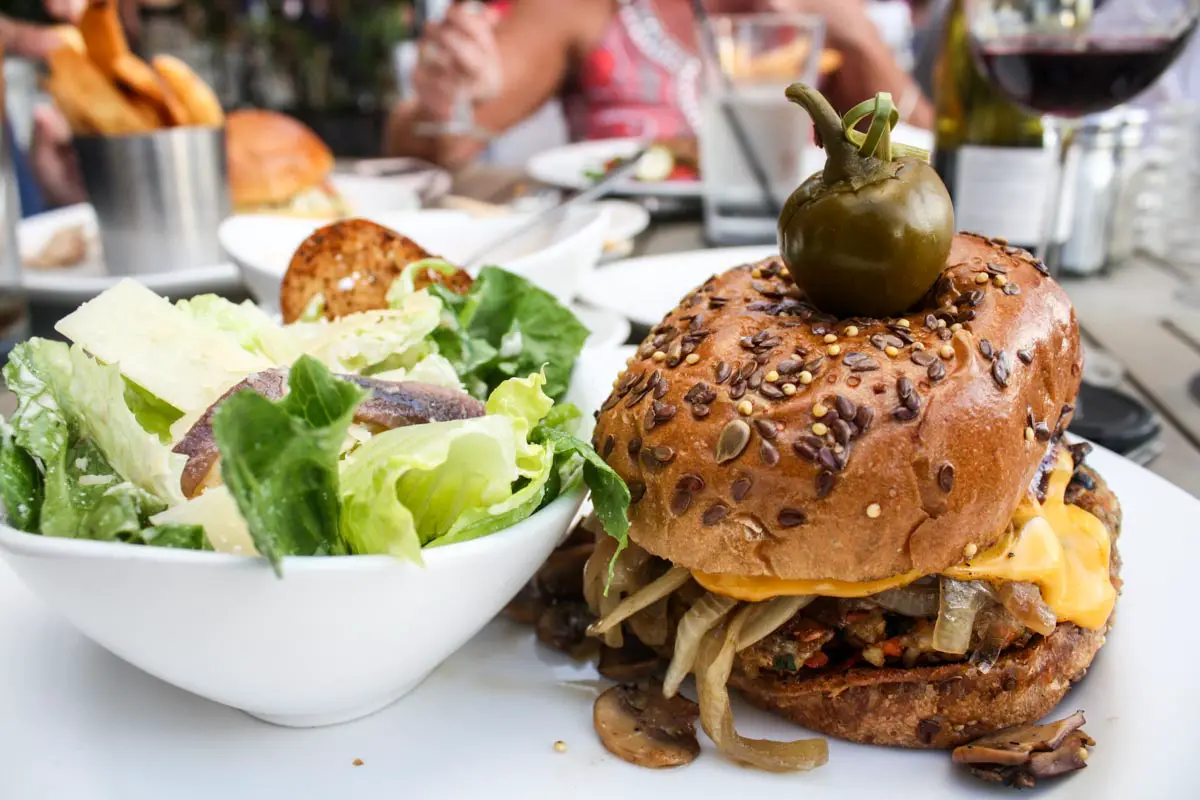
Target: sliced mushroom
<point>561,577</point>
<point>391,405</point>
<point>527,607</point>
<point>564,627</point>
<point>1020,756</point>
<point>639,725</point>
<point>633,662</point>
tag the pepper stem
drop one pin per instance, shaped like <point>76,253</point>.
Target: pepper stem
<point>842,159</point>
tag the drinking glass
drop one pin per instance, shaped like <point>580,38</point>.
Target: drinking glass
<point>1069,58</point>
<point>747,62</point>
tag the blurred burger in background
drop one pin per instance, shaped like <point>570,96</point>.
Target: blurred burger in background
<point>277,165</point>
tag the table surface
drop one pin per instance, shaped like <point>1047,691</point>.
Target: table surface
<point>1135,313</point>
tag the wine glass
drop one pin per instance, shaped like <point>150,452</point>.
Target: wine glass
<point>1069,58</point>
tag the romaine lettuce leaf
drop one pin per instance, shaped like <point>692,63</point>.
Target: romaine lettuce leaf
<point>117,512</point>
<point>280,460</point>
<point>20,483</point>
<point>448,482</point>
<point>610,495</point>
<point>371,341</point>
<point>254,330</point>
<point>432,369</point>
<point>503,327</point>
<point>38,372</point>
<point>96,398</point>
<point>154,415</point>
<point>180,537</point>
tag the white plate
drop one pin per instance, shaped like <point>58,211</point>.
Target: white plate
<point>625,219</point>
<point>567,166</point>
<point>645,289</point>
<point>78,284</point>
<point>608,329</point>
<point>79,723</point>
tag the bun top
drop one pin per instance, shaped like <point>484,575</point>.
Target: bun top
<point>761,437</point>
<point>272,157</point>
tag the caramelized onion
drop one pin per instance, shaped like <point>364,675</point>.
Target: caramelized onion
<point>914,600</point>
<point>651,593</point>
<point>704,615</point>
<point>763,619</point>
<point>960,602</point>
<point>650,625</point>
<point>1024,601</point>
<point>595,571</point>
<point>714,665</point>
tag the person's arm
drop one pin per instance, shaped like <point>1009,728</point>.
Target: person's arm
<point>525,56</point>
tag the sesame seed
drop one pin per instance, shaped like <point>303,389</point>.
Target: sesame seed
<point>820,428</point>
<point>956,327</point>
<point>745,408</point>
<point>941,323</point>
<point>891,351</point>
<point>691,358</point>
<point>851,330</point>
<point>1000,281</point>
<point>806,377</point>
<point>1030,434</point>
<point>830,338</point>
<point>629,361</point>
<point>873,510</point>
<point>946,352</point>
<point>918,346</point>
<point>771,376</point>
<point>970,550</point>
<point>819,410</point>
<point>358,762</point>
<point>560,746</point>
<point>834,349</point>
<point>756,273</point>
<point>789,389</point>
<point>659,355</point>
<point>903,323</point>
<point>981,277</point>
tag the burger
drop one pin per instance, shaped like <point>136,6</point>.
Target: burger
<point>873,526</point>
<point>878,522</point>
<point>277,165</point>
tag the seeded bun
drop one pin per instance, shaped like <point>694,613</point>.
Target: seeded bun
<point>950,704</point>
<point>272,159</point>
<point>917,454</point>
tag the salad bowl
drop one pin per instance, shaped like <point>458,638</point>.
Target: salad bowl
<point>332,640</point>
<point>556,258</point>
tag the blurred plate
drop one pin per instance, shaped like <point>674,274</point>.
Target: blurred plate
<point>72,285</point>
<point>645,289</point>
<point>625,221</point>
<point>374,194</point>
<point>567,166</point>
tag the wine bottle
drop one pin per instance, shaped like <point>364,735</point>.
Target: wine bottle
<point>993,156</point>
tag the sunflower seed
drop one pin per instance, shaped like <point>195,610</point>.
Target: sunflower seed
<point>945,477</point>
<point>824,483</point>
<point>791,517</point>
<point>715,513</point>
<point>741,487</point>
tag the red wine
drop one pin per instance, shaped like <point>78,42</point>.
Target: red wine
<point>1049,76</point>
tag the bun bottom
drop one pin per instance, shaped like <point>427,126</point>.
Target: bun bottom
<point>938,707</point>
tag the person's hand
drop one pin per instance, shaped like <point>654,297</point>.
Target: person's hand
<point>52,158</point>
<point>65,10</point>
<point>457,55</point>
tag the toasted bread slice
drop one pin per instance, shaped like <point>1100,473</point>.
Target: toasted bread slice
<point>200,103</point>
<point>351,263</point>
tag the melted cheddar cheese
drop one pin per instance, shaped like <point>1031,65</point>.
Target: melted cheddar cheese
<point>1062,548</point>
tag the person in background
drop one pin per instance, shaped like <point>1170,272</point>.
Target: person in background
<point>614,63</point>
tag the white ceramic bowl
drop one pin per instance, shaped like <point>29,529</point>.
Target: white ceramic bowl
<point>334,639</point>
<point>557,258</point>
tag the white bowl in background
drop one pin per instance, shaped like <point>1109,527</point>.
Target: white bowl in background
<point>556,258</point>
<point>336,638</point>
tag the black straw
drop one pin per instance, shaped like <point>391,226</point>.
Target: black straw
<point>704,24</point>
